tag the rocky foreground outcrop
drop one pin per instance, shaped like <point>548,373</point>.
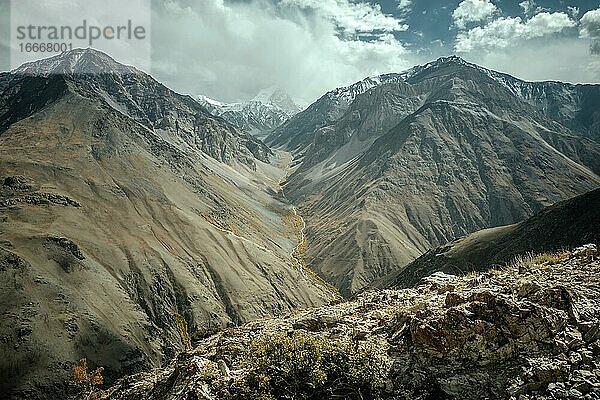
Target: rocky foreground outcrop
<point>528,331</point>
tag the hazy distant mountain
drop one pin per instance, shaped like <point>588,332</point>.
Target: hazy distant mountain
<point>278,97</point>
<point>565,225</point>
<point>394,165</point>
<point>125,209</point>
<point>259,116</point>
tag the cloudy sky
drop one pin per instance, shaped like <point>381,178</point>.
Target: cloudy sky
<point>230,49</point>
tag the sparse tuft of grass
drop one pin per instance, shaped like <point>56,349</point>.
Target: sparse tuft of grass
<point>543,259</point>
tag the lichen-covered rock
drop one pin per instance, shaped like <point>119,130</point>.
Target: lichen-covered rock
<point>529,331</point>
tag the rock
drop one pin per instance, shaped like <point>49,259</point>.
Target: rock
<point>223,368</point>
<point>309,324</point>
<point>68,245</point>
<point>588,250</point>
<point>441,281</point>
<point>586,356</point>
<point>546,371</point>
<point>24,331</point>
<point>575,394</point>
<point>528,288</point>
<point>575,358</point>
<point>454,299</point>
<point>592,332</point>
<point>17,183</point>
<point>581,387</point>
<point>572,338</point>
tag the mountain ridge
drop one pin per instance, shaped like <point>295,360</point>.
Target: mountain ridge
<point>125,89</point>
<point>528,329</point>
<point>567,224</point>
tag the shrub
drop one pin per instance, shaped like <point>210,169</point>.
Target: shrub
<point>182,329</point>
<point>304,366</point>
<point>87,381</point>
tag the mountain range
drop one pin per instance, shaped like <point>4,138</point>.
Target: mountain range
<point>392,166</point>
<point>132,217</point>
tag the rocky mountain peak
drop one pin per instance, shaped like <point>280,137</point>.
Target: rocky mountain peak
<point>277,97</point>
<point>347,94</point>
<point>75,62</point>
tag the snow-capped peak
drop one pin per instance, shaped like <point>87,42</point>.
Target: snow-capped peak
<point>206,99</point>
<point>76,61</point>
<point>277,97</point>
<point>270,108</point>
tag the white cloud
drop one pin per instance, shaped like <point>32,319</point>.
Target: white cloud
<point>573,11</point>
<point>404,5</point>
<point>231,50</point>
<point>528,6</point>
<point>590,24</point>
<point>508,31</point>
<point>564,59</point>
<point>473,11</point>
<point>351,17</point>
<point>546,23</point>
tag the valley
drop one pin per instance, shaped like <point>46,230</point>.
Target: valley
<point>135,222</point>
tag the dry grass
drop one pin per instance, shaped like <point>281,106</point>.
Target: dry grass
<point>231,228</point>
<point>210,219</point>
<point>542,259</point>
<point>297,256</point>
<point>182,329</point>
<point>294,223</point>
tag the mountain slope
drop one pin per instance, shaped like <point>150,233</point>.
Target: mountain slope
<point>464,153</point>
<point>568,224</point>
<point>133,93</point>
<point>117,229</point>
